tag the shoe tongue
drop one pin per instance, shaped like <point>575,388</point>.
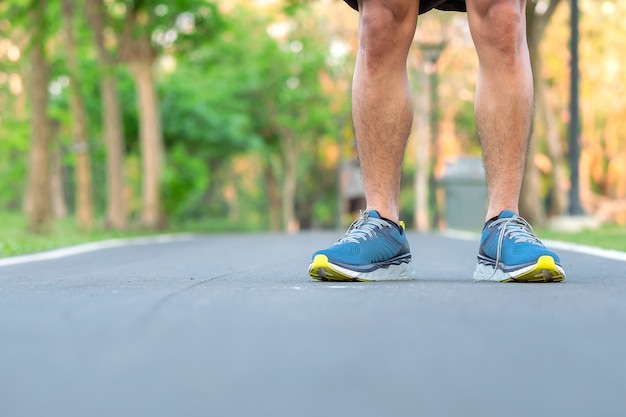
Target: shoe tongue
<point>506,214</point>
<point>374,214</point>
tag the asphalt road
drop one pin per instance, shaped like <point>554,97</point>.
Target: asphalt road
<point>231,325</point>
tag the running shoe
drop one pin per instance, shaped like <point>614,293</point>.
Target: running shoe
<point>510,252</point>
<point>373,249</point>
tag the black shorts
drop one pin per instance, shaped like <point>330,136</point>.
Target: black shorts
<point>426,5</point>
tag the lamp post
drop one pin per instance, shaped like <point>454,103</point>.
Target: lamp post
<point>575,208</point>
<point>428,133</point>
<point>431,53</point>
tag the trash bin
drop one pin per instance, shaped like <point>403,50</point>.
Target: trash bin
<point>465,192</point>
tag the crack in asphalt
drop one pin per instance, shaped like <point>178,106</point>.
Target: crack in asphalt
<point>143,318</point>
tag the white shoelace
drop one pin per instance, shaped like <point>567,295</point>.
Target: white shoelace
<point>362,228</point>
<point>518,229</point>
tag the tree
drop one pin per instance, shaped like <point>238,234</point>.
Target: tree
<point>14,114</point>
<point>138,52</point>
<point>84,199</point>
<point>38,196</point>
<point>149,27</point>
<point>538,14</point>
<point>269,104</point>
<point>293,111</point>
<point>113,131</point>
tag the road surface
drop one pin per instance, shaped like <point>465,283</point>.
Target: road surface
<point>231,325</point>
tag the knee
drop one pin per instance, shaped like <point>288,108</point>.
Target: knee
<point>499,30</point>
<point>387,25</point>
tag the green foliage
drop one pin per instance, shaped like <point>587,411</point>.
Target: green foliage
<point>184,182</point>
<point>173,25</point>
<point>465,126</point>
<point>13,160</point>
<point>201,110</point>
<point>235,92</point>
<point>238,94</point>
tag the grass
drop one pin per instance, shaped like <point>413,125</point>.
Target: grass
<point>608,236</point>
<point>15,240</point>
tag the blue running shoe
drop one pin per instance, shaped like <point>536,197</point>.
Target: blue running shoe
<point>373,249</point>
<point>510,252</point>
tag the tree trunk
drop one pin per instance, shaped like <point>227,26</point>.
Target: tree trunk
<point>59,208</point>
<point>84,198</point>
<point>116,212</point>
<point>38,199</point>
<point>422,136</point>
<point>290,163</point>
<point>151,143</point>
<point>117,208</point>
<point>531,202</point>
<point>289,160</point>
<point>136,49</point>
<point>558,190</point>
<point>273,196</point>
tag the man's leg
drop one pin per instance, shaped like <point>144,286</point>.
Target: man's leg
<point>382,108</point>
<point>375,247</point>
<point>504,96</point>
<point>509,251</point>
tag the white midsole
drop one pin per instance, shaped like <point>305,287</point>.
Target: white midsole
<point>489,273</point>
<point>403,271</point>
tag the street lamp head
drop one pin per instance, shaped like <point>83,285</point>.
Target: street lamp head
<point>431,51</point>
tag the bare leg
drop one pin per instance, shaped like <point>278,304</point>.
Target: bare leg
<point>504,97</point>
<point>382,109</point>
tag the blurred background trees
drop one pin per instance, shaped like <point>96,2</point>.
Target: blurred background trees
<point>151,114</point>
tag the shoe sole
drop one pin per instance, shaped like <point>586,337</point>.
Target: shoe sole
<point>322,269</point>
<point>544,271</point>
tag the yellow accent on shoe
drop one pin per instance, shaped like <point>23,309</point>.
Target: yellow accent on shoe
<point>545,270</point>
<point>321,270</point>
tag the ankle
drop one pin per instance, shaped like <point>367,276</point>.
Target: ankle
<point>495,211</point>
<point>389,215</point>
